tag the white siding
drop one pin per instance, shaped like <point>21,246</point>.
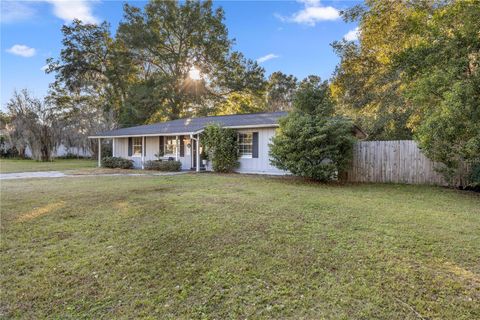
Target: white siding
<point>152,145</point>
<point>262,163</point>
<point>121,147</point>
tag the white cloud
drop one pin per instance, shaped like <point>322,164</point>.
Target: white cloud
<point>269,56</point>
<point>22,50</point>
<point>312,13</point>
<point>12,11</point>
<point>310,3</point>
<point>67,10</point>
<point>352,35</point>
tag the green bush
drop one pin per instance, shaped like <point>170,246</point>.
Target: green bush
<point>221,147</point>
<point>163,165</point>
<point>311,141</point>
<point>475,176</point>
<point>116,162</point>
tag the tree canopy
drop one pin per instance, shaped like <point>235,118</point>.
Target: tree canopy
<point>415,73</point>
<point>280,91</point>
<point>144,72</point>
<point>35,124</point>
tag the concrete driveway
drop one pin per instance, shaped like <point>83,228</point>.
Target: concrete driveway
<point>59,174</point>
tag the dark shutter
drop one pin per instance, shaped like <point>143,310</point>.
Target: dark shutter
<point>160,145</point>
<point>182,146</point>
<point>255,145</point>
<point>144,145</point>
<point>130,146</point>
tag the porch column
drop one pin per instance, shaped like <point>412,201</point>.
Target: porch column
<point>113,147</point>
<point>176,148</point>
<point>99,152</point>
<point>143,152</point>
<point>198,153</point>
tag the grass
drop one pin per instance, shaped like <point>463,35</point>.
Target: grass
<point>21,165</point>
<point>232,246</point>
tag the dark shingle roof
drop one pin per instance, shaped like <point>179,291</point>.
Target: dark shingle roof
<point>192,125</point>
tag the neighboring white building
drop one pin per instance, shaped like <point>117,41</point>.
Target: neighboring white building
<point>61,151</point>
<point>181,140</point>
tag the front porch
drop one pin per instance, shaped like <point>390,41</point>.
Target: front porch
<point>185,148</point>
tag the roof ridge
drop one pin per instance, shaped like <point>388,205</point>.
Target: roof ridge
<point>228,115</point>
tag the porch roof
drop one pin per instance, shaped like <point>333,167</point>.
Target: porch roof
<point>196,125</point>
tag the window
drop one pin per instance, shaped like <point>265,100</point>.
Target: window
<point>170,143</point>
<point>245,144</point>
<point>137,146</point>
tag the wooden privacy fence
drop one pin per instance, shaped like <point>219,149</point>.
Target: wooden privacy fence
<point>392,161</point>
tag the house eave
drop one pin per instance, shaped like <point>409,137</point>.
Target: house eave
<point>143,135</point>
<point>180,133</point>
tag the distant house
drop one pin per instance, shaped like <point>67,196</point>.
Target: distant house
<point>61,151</point>
<point>181,140</point>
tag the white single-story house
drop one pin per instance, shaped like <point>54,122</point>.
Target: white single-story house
<point>181,140</point>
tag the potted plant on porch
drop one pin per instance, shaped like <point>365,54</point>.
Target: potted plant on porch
<point>204,158</point>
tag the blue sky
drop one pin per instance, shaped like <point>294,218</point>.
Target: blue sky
<point>289,36</point>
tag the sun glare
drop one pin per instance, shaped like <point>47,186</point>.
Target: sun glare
<point>194,74</point>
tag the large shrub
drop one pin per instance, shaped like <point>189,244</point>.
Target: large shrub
<point>312,142</point>
<point>474,179</point>
<point>116,162</point>
<point>221,145</point>
<point>163,165</point>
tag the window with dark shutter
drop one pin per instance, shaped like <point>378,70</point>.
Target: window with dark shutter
<point>137,146</point>
<point>255,145</point>
<point>245,144</point>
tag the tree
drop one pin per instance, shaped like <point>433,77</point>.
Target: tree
<point>166,61</point>
<point>414,73</point>
<point>280,91</point>
<point>441,72</point>
<point>36,122</point>
<point>312,141</point>
<point>221,145</point>
<point>366,84</point>
<point>80,117</point>
<point>240,102</point>
<point>12,143</point>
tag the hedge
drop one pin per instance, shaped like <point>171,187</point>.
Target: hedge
<point>116,162</point>
<point>163,165</point>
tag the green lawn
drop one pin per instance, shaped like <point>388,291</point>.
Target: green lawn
<point>16,165</point>
<point>232,246</point>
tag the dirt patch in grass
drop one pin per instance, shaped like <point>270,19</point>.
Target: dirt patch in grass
<point>40,211</point>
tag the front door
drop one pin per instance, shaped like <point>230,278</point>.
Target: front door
<point>137,162</point>
<point>194,156</point>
